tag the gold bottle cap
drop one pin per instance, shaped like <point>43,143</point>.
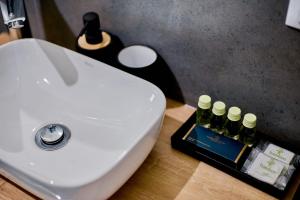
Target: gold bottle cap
<point>219,108</point>
<point>249,120</point>
<point>234,113</point>
<point>204,102</point>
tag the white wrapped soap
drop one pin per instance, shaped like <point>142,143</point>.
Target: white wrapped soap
<point>279,153</point>
<point>265,168</point>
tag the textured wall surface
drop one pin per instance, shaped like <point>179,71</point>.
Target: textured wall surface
<point>238,51</point>
<point>2,25</point>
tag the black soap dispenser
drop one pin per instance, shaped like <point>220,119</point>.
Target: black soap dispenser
<point>98,44</point>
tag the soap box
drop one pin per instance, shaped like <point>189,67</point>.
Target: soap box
<point>214,145</point>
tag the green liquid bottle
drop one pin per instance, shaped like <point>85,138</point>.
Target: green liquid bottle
<point>233,124</point>
<point>218,117</point>
<point>203,111</point>
<point>248,130</point>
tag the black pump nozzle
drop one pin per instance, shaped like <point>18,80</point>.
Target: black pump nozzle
<point>91,29</point>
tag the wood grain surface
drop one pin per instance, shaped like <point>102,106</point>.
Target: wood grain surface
<point>168,174</point>
<point>13,34</point>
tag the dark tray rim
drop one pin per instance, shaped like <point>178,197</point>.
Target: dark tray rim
<point>186,147</point>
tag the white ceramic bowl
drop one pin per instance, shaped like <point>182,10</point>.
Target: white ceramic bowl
<point>114,119</point>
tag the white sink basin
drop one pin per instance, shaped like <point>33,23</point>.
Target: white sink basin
<point>114,119</point>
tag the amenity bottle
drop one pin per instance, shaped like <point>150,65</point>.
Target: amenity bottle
<point>203,111</point>
<point>218,117</point>
<point>248,129</point>
<point>233,123</point>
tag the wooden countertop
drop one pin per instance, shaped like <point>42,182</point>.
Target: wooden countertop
<point>13,34</point>
<point>168,174</point>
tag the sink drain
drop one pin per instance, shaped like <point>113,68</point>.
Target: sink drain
<point>52,137</point>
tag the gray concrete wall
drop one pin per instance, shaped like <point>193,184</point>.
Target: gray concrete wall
<point>2,25</point>
<point>238,51</point>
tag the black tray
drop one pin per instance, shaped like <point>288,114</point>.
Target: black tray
<point>178,143</point>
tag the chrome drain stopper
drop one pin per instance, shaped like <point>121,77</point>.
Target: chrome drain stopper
<point>52,136</point>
